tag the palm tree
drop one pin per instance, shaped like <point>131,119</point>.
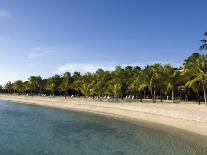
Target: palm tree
<point>53,84</point>
<point>86,83</point>
<point>76,85</point>
<point>120,78</point>
<point>114,88</point>
<point>101,82</point>
<point>198,69</point>
<point>26,87</point>
<point>139,83</point>
<point>172,77</point>
<point>18,86</point>
<point>131,73</point>
<point>9,87</point>
<point>35,84</point>
<point>156,82</point>
<point>204,41</point>
<point>66,83</point>
<point>1,88</point>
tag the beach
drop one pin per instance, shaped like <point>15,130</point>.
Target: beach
<point>187,116</point>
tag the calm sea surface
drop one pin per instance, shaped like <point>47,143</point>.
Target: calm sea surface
<point>34,130</point>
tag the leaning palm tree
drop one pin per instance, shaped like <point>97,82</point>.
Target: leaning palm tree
<point>198,69</point>
<point>204,43</point>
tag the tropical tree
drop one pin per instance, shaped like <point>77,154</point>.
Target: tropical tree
<point>172,77</point>
<point>154,80</point>
<point>86,84</point>
<point>131,74</point>
<point>9,87</point>
<point>26,86</point>
<point>198,69</point>
<point>53,84</point>
<point>18,86</point>
<point>66,83</point>
<point>155,73</point>
<point>35,84</point>
<point>119,79</point>
<point>1,88</point>
<point>114,88</point>
<point>136,85</point>
<point>100,85</point>
<point>204,43</point>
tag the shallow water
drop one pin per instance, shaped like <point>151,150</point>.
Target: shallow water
<point>34,130</point>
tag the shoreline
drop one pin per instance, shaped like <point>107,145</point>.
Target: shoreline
<point>146,114</point>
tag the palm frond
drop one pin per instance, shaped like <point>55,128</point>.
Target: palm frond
<point>203,47</point>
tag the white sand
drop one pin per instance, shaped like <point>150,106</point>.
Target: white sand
<point>187,116</point>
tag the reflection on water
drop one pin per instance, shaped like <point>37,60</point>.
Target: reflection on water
<point>29,130</point>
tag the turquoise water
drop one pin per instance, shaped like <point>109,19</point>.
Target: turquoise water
<point>34,130</point>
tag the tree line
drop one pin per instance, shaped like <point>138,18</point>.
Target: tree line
<point>154,81</point>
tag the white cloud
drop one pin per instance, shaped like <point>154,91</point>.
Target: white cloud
<point>39,52</point>
<point>92,67</point>
<point>83,67</point>
<point>5,13</point>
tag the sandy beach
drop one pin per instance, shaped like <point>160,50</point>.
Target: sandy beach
<point>185,116</point>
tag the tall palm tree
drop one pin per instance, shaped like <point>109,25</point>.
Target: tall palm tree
<point>9,87</point>
<point>18,86</point>
<point>140,83</point>
<point>114,88</point>
<point>172,77</point>
<point>35,84</point>
<point>53,84</point>
<point>120,79</point>
<point>131,74</point>
<point>101,82</point>
<point>77,81</point>
<point>156,81</point>
<point>66,83</point>
<point>86,84</point>
<point>198,69</point>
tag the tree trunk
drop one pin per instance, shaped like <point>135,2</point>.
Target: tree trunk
<point>199,99</point>
<point>173,96</point>
<point>204,94</point>
<point>154,95</point>
<point>160,95</point>
<point>78,93</point>
<point>144,93</point>
<point>99,97</point>
<point>151,92</point>
<point>140,97</point>
<point>122,96</point>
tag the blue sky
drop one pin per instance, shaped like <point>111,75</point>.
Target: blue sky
<point>45,37</point>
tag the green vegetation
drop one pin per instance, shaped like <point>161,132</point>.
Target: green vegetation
<point>152,82</point>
